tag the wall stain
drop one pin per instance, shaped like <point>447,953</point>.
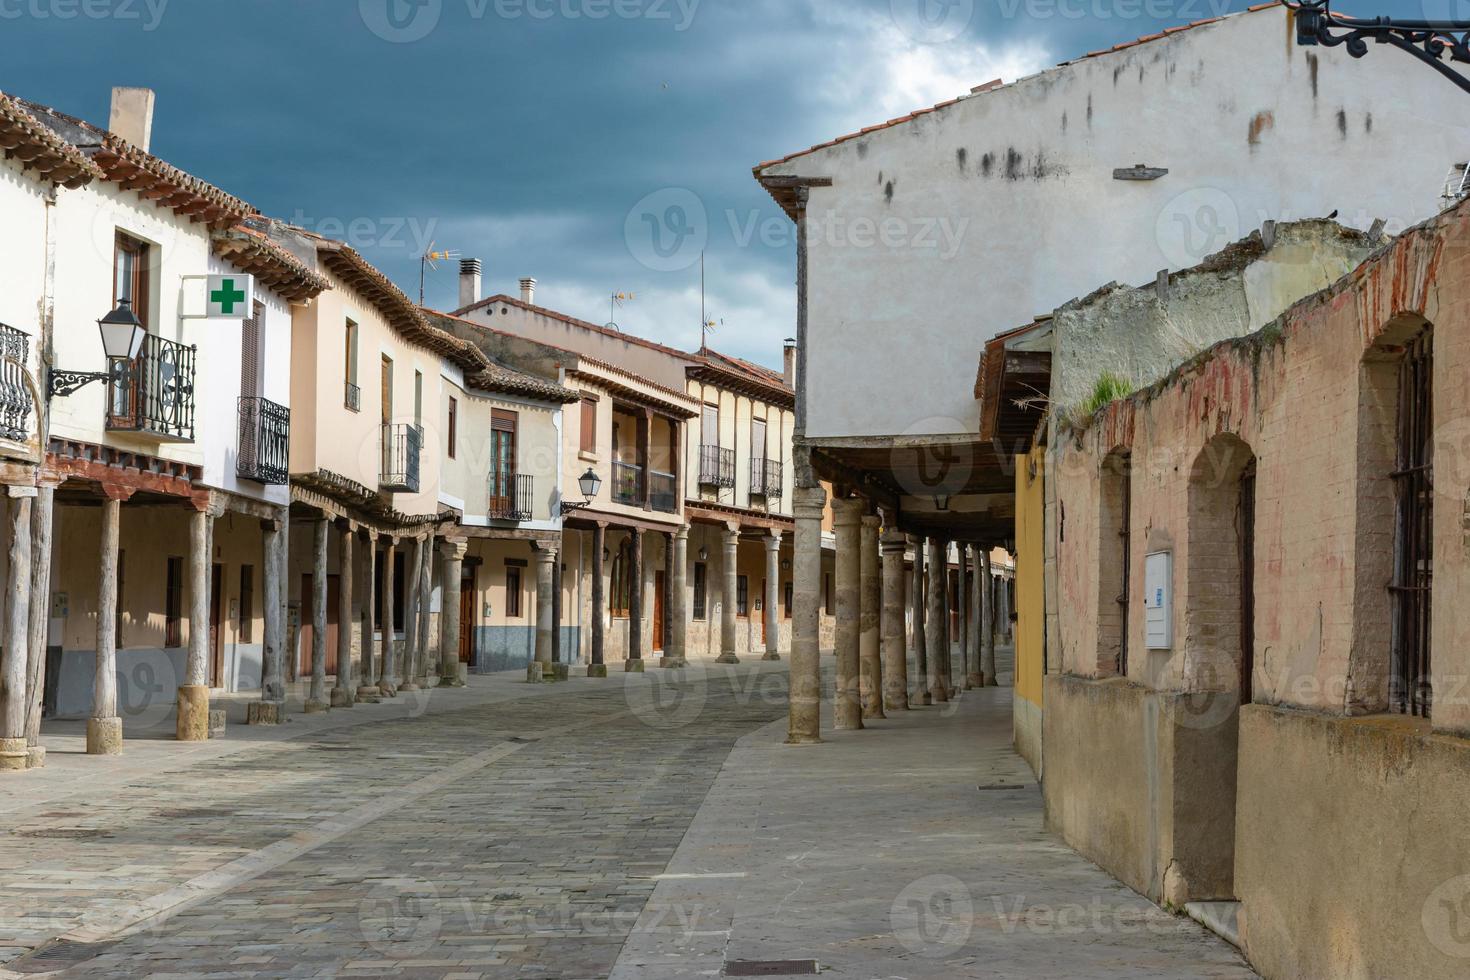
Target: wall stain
<point>1116,72</point>
<point>1064,120</point>
<point>1312,69</point>
<point>888,192</point>
<point>1260,122</point>
<point>1089,110</point>
<point>862,150</point>
<point>1342,123</point>
<point>1013,164</point>
<point>1368,123</point>
<point>961,157</point>
<point>987,163</point>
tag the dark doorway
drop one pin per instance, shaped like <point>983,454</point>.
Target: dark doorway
<point>216,648</point>
<point>1414,539</point>
<point>467,619</point>
<point>658,611</point>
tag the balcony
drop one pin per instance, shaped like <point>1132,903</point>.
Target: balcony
<point>352,398</point>
<point>766,478</point>
<point>663,492</point>
<point>716,467</point>
<point>15,394</point>
<point>511,496</point>
<point>627,485</point>
<point>265,442</point>
<point>401,445</point>
<point>154,394</point>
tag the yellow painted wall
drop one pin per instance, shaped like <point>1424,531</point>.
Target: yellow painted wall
<point>1030,604</point>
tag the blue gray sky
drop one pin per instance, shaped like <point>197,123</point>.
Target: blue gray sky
<point>537,134</point>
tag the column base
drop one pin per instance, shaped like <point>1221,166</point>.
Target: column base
<point>771,657</point>
<point>896,704</point>
<point>803,740</point>
<point>727,658</point>
<point>561,672</point>
<point>36,757</point>
<point>317,707</point>
<point>634,667</point>
<point>192,724</point>
<point>265,713</point>
<point>450,682</point>
<point>535,674</point>
<point>673,663</point>
<point>923,699</point>
<point>216,722</point>
<point>387,689</point>
<point>369,695</point>
<point>408,687</point>
<point>597,670</point>
<point>874,712</point>
<point>341,697</point>
<point>104,736</point>
<point>973,681</point>
<point>13,754</point>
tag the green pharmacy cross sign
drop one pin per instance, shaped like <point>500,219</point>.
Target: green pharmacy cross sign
<point>230,296</point>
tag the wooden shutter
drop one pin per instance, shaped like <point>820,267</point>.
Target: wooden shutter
<point>589,425</point>
<point>250,351</point>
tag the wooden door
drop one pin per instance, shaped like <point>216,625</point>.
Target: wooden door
<point>303,655</point>
<point>467,619</point>
<point>658,611</point>
<point>216,650</point>
<point>387,394</point>
<point>334,589</point>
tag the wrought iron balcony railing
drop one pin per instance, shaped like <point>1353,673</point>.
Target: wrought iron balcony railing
<point>627,483</point>
<point>511,496</point>
<point>663,492</point>
<point>15,394</point>
<point>352,397</point>
<point>401,450</point>
<point>264,449</point>
<point>154,393</point>
<point>716,467</point>
<point>765,478</point>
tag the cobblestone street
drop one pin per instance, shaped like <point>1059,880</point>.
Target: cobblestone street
<point>529,832</point>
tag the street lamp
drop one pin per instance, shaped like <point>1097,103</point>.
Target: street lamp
<point>1427,40</point>
<point>589,483</point>
<point>122,338</point>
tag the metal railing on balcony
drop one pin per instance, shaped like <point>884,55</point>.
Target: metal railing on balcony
<point>352,397</point>
<point>264,449</point>
<point>716,467</point>
<point>627,482</point>
<point>511,496</point>
<point>766,478</point>
<point>401,449</point>
<point>15,394</point>
<point>663,492</point>
<point>154,393</point>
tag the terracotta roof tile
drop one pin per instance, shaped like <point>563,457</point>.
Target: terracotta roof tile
<point>30,142</point>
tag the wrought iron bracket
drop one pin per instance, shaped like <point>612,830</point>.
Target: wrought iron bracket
<point>65,383</point>
<point>1427,40</point>
<point>567,507</point>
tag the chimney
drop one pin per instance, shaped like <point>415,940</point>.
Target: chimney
<point>469,282</point>
<point>790,361</point>
<point>132,115</point>
<point>528,292</point>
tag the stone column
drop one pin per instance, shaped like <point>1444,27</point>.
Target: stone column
<point>773,596</point>
<point>895,656</point>
<point>730,552</point>
<point>946,662</point>
<point>934,614</point>
<point>963,592</point>
<point>42,517</point>
<point>556,580</point>
<point>453,572</point>
<point>973,676</point>
<point>13,694</point>
<point>805,696</point>
<point>987,625</point>
<point>192,720</point>
<point>922,695</point>
<point>676,622</point>
<point>316,698</point>
<point>541,669</point>
<point>366,689</point>
<point>635,664</point>
<point>342,693</point>
<point>598,667</point>
<point>413,654</point>
<point>388,662</point>
<point>104,727</point>
<point>426,603</point>
<point>271,708</point>
<point>870,599</point>
<point>847,709</point>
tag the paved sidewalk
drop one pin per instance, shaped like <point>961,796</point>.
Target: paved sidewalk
<point>911,850</point>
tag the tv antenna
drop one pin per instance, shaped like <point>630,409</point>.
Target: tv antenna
<point>430,259</point>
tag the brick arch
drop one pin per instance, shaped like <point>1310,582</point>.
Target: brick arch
<point>1214,632</point>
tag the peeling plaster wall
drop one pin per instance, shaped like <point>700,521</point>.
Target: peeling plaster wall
<point>944,230</point>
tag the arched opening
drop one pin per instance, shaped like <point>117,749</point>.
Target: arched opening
<point>1113,560</point>
<point>1221,601</point>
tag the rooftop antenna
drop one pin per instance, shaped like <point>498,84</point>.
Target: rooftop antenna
<point>430,259</point>
<point>618,299</point>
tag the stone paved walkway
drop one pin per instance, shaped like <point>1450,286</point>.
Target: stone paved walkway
<point>636,827</point>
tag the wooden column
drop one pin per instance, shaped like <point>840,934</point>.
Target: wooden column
<point>42,528</point>
<point>412,652</point>
<point>963,592</point>
<point>271,708</point>
<point>634,664</point>
<point>426,603</point>
<point>388,662</point>
<point>192,721</point>
<point>454,552</point>
<point>316,699</point>
<point>987,624</point>
<point>934,621</point>
<point>104,727</point>
<point>870,598</point>
<point>367,688</point>
<point>895,655</point>
<point>974,677</point>
<point>556,575</point>
<point>729,574</point>
<point>922,694</point>
<point>676,618</point>
<point>343,693</point>
<point>598,667</point>
<point>13,692</point>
